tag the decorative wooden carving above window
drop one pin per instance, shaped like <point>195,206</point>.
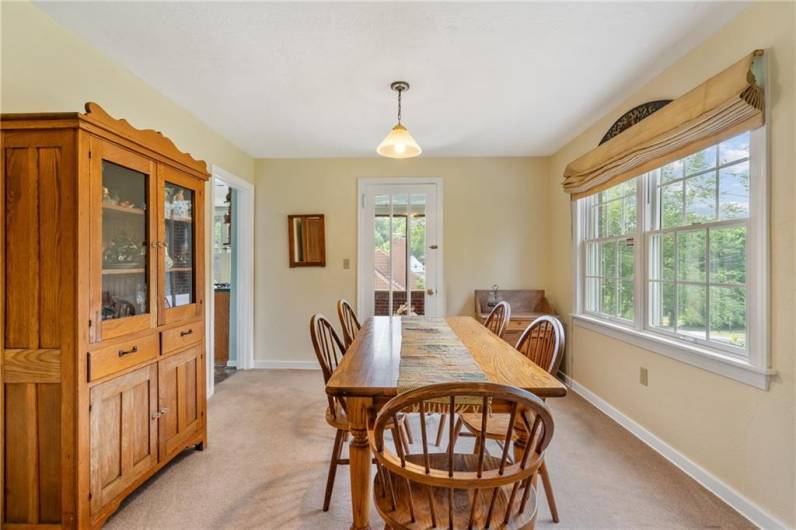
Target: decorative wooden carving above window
<point>633,116</point>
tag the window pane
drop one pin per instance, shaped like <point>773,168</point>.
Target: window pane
<point>626,300</point>
<point>728,255</point>
<point>700,161</point>
<point>592,259</point>
<point>700,198</point>
<point>609,297</point>
<point>672,171</point>
<point>691,310</point>
<point>671,205</point>
<point>662,257</point>
<point>611,219</point>
<point>735,148</point>
<point>593,229</point>
<point>593,294</point>
<point>734,191</point>
<point>627,259</point>
<point>662,305</point>
<point>728,315</point>
<point>609,259</point>
<point>614,192</point>
<point>691,256</point>
<point>630,214</point>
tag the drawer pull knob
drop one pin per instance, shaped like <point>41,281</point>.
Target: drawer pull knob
<point>122,353</point>
<point>186,332</point>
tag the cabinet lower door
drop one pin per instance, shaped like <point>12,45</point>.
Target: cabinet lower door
<point>123,433</point>
<point>181,399</point>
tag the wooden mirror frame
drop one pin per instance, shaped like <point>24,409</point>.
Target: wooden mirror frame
<point>320,261</point>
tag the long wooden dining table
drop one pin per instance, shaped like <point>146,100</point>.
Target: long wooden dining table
<point>368,377</point>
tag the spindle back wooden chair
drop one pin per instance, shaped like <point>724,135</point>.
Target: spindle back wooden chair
<point>329,350</point>
<point>453,490</point>
<point>543,343</point>
<point>348,321</point>
<point>498,318</point>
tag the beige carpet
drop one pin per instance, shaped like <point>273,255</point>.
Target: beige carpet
<point>268,453</point>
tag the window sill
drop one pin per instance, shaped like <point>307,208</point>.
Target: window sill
<point>693,355</point>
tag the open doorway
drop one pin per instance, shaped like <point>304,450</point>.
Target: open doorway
<point>225,283</point>
<point>230,260</point>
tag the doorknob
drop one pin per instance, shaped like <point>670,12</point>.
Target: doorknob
<point>429,291</point>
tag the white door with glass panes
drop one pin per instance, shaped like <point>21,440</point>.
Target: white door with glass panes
<point>399,249</point>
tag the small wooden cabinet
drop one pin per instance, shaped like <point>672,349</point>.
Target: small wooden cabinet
<point>526,306</point>
<point>103,343</point>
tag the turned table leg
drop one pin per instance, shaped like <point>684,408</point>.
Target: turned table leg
<point>359,453</point>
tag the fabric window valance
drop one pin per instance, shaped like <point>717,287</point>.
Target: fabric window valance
<point>724,105</point>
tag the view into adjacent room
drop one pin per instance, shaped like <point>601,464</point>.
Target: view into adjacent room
<point>224,268</point>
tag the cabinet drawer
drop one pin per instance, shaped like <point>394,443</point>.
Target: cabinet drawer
<point>112,359</point>
<point>176,338</point>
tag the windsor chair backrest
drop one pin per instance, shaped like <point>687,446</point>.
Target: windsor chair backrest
<point>454,490</point>
<point>329,350</point>
<point>498,318</point>
<point>348,321</point>
<point>543,342</point>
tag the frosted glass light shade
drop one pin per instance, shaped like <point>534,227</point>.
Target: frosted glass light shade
<point>399,144</point>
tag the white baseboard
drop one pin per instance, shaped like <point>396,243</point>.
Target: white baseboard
<point>722,490</point>
<point>232,363</point>
<point>267,364</point>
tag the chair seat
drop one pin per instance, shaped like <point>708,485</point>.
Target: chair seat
<point>338,420</point>
<point>496,426</point>
<point>400,517</point>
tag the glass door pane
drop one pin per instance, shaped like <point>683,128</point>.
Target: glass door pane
<point>399,246</point>
<point>125,246</point>
<point>178,206</point>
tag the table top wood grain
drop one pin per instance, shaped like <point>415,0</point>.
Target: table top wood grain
<point>370,366</point>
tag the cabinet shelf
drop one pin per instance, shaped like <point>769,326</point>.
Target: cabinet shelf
<point>179,269</point>
<point>180,219</point>
<point>122,209</point>
<point>112,272</point>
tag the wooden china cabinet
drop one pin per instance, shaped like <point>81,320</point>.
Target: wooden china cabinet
<point>103,348</point>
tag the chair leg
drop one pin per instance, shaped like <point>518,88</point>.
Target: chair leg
<point>408,429</point>
<point>548,490</point>
<point>441,427</point>
<point>338,446</point>
<point>404,437</point>
<point>455,434</point>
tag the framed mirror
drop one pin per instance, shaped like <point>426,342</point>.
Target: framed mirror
<point>307,240</point>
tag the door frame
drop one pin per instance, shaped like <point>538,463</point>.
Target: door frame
<point>244,255</point>
<point>362,184</point>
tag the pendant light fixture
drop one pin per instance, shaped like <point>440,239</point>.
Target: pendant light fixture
<point>399,143</point>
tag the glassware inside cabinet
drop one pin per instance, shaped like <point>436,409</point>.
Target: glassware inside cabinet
<point>179,251</point>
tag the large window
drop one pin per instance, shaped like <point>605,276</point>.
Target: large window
<point>672,253</point>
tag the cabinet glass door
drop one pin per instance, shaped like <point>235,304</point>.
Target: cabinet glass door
<point>181,214</point>
<point>121,188</point>
<point>124,242</point>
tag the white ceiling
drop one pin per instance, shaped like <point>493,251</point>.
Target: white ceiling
<point>311,79</point>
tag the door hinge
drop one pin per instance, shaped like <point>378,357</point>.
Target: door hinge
<point>89,153</point>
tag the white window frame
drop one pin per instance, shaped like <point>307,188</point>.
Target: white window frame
<point>753,366</point>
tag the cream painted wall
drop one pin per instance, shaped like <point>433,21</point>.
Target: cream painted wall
<point>495,231</point>
<point>742,435</point>
<point>47,68</point>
